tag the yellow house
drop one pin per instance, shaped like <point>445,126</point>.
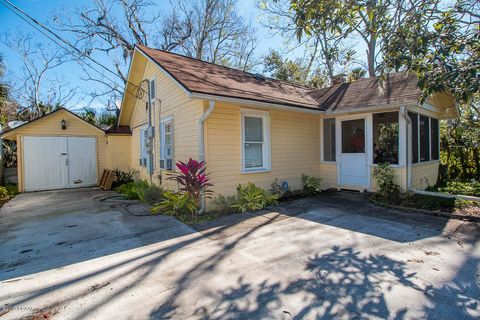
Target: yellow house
<point>250,128</point>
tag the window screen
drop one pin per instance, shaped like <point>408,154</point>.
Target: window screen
<point>435,139</point>
<point>253,142</point>
<point>414,118</point>
<point>329,140</point>
<point>424,124</point>
<point>385,137</point>
<point>353,136</point>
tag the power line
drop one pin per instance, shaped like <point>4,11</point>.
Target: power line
<point>22,14</point>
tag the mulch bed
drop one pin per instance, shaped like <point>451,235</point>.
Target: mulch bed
<point>431,205</point>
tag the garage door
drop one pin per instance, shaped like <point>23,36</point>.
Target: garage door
<point>59,162</point>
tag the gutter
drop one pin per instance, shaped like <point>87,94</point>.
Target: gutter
<point>404,113</point>
<point>202,120</point>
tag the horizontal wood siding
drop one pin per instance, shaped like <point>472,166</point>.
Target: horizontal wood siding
<point>424,175</point>
<point>294,149</point>
<point>119,152</point>
<point>328,173</point>
<point>186,113</point>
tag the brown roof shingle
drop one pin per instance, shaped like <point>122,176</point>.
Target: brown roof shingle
<point>198,76</point>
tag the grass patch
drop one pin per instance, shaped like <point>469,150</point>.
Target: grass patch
<point>466,188</point>
<point>427,202</point>
<point>7,192</point>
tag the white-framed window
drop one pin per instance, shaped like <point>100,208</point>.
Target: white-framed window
<point>143,147</point>
<point>255,141</point>
<point>166,143</point>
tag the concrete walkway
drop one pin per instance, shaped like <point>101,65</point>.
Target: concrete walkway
<point>332,256</point>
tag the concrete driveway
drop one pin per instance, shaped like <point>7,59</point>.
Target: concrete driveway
<point>67,256</point>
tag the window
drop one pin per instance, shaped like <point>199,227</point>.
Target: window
<point>143,147</point>
<point>329,140</point>
<point>435,139</point>
<point>425,138</point>
<point>255,141</point>
<point>414,118</point>
<point>353,136</point>
<point>166,143</point>
<point>385,137</point>
<point>424,130</point>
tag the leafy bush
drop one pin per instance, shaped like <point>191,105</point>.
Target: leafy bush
<point>175,204</point>
<point>3,193</point>
<point>468,188</point>
<point>141,190</point>
<point>385,179</point>
<point>311,184</point>
<point>251,198</point>
<point>122,177</point>
<point>223,205</point>
<point>152,195</point>
<point>192,180</point>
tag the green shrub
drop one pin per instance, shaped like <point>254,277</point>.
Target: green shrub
<point>141,190</point>
<point>128,191</point>
<point>122,177</point>
<point>175,204</point>
<point>311,184</point>
<point>251,198</point>
<point>12,189</point>
<point>3,193</point>
<point>385,179</point>
<point>470,188</point>
<point>223,205</point>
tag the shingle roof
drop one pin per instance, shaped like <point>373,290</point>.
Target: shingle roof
<point>198,76</point>
<point>396,89</point>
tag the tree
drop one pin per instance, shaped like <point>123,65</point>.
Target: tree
<point>444,52</point>
<point>370,20</point>
<point>105,117</point>
<point>323,45</point>
<point>219,34</point>
<point>36,89</point>
<point>292,71</point>
<point>3,85</point>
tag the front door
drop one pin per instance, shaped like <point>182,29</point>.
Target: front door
<point>353,156</point>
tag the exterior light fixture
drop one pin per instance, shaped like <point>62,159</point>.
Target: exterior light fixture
<point>64,124</point>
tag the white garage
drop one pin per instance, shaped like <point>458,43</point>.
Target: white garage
<point>59,162</point>
<point>58,151</point>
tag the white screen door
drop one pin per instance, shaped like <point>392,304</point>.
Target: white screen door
<point>353,162</point>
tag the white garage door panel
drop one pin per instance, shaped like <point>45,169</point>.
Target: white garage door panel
<point>45,163</point>
<point>59,162</point>
<point>82,162</point>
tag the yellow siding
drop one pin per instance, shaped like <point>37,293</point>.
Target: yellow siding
<point>50,126</point>
<point>328,173</point>
<point>424,175</point>
<point>119,152</point>
<point>186,114</point>
<point>294,149</point>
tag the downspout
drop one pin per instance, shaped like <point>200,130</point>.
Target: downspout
<point>404,113</point>
<point>202,120</point>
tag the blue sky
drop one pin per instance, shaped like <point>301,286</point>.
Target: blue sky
<point>43,10</point>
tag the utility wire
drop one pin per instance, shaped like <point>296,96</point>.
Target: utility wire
<point>22,14</point>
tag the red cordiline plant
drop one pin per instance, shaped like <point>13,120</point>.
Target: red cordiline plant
<point>192,179</point>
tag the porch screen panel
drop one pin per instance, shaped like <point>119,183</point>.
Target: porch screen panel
<point>414,147</point>
<point>424,124</point>
<point>385,137</point>
<point>329,140</point>
<point>435,139</point>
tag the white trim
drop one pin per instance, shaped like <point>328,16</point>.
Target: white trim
<point>266,145</point>
<point>252,103</point>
